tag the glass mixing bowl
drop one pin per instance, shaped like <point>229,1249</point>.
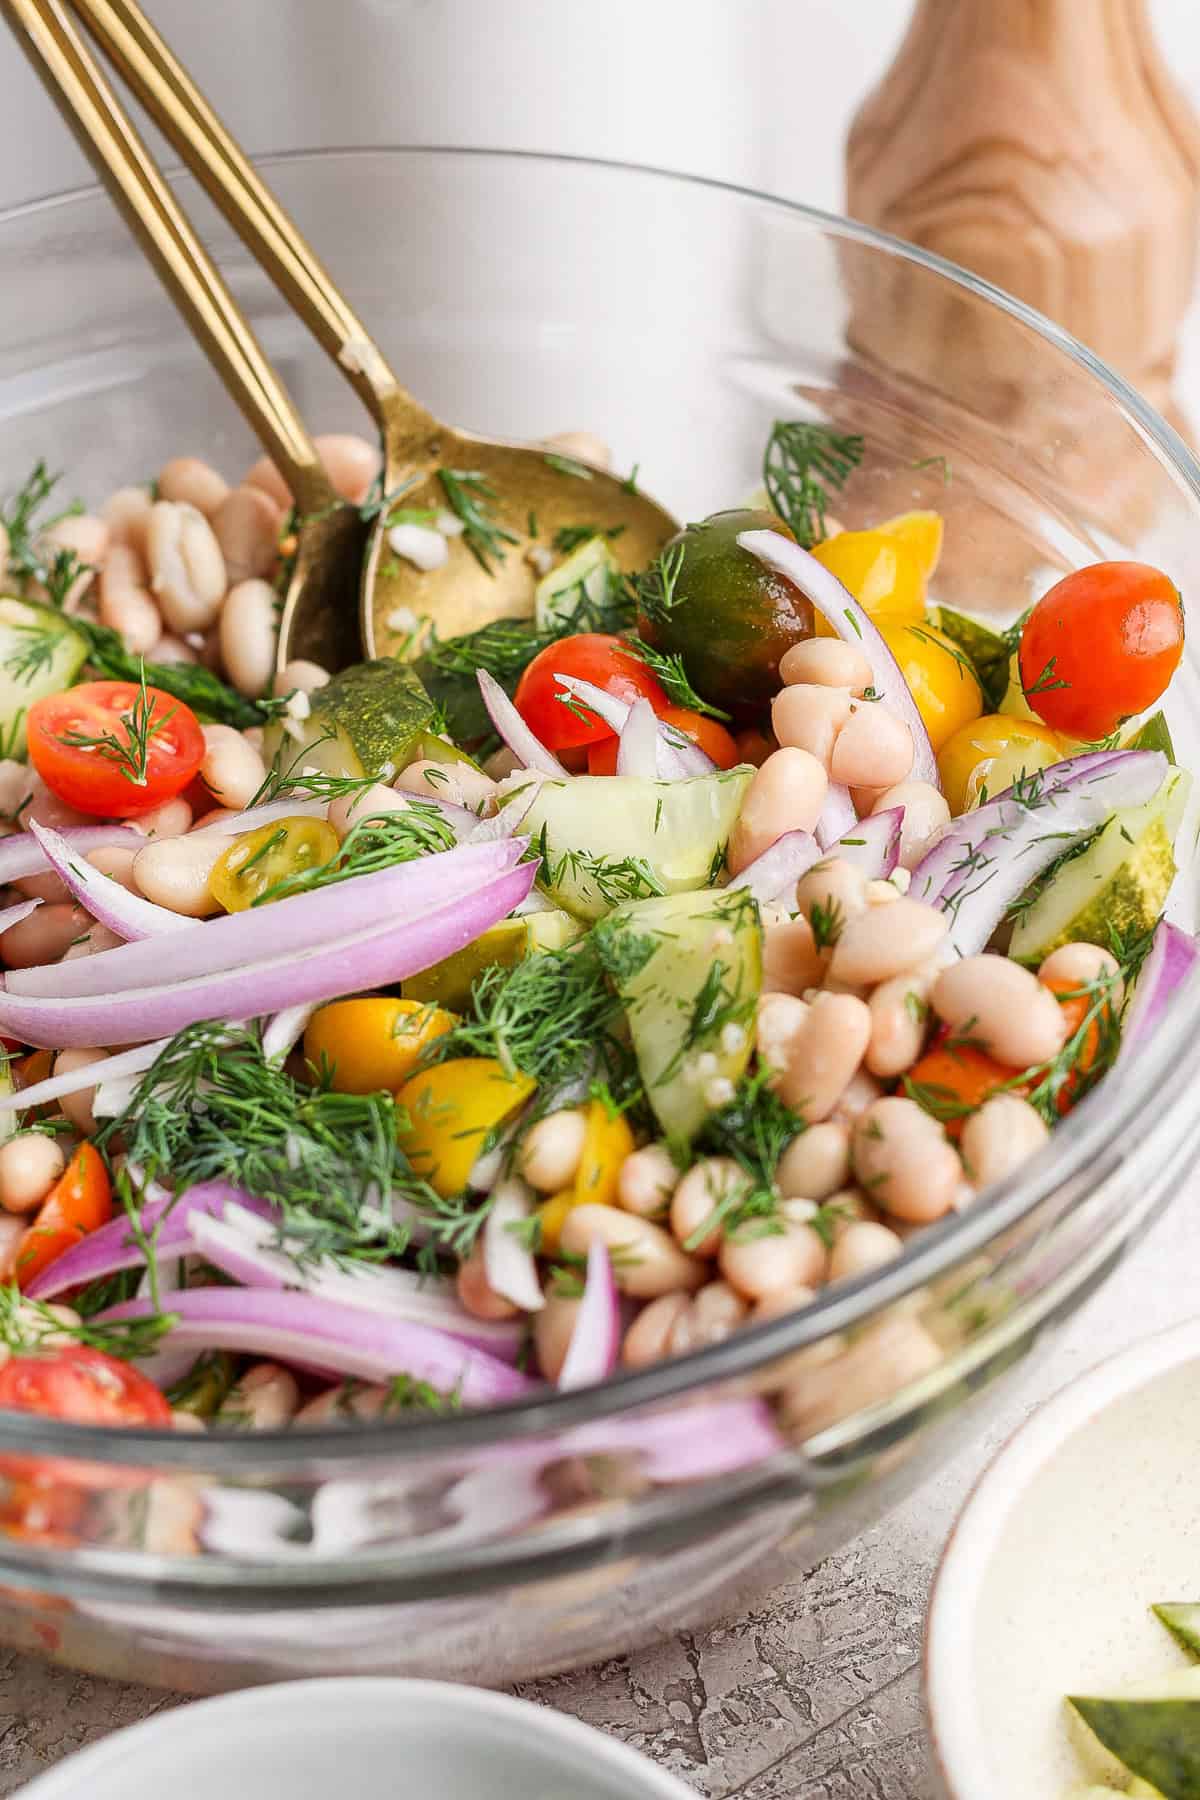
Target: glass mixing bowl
<point>676,318</point>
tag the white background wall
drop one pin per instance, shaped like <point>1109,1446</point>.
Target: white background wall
<point>756,91</point>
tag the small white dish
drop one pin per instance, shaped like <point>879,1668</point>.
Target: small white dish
<point>375,1739</point>
<point>1088,1516</point>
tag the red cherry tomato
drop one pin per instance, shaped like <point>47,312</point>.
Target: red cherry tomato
<point>593,656</point>
<point>1101,647</point>
<point>83,1386</point>
<point>708,734</point>
<point>138,756</point>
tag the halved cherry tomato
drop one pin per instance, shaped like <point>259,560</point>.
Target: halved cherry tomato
<point>87,745</point>
<point>372,1043</point>
<point>708,734</point>
<point>1101,647</point>
<point>257,860</point>
<point>79,1202</point>
<point>1076,1006</point>
<point>952,1080</point>
<point>607,662</point>
<point>82,1385</point>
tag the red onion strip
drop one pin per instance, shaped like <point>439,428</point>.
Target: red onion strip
<point>528,749</point>
<point>348,965</point>
<point>22,855</point>
<point>112,1247</point>
<point>873,844</point>
<point>855,626</point>
<point>1172,959</point>
<point>126,914</point>
<point>508,1263</point>
<point>675,755</point>
<point>837,816</point>
<point>12,915</point>
<point>596,1339</point>
<point>770,876</point>
<point>299,1328</point>
<point>113,1068</point>
<point>637,743</point>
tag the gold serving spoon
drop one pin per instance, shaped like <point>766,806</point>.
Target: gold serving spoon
<point>333,537</point>
<point>513,496</point>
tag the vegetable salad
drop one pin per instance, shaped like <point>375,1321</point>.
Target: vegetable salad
<point>557,998</point>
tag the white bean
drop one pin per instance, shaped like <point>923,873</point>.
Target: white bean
<point>115,861</point>
<point>88,537</point>
<point>246,526</point>
<point>95,939</point>
<point>551,1148</point>
<point>886,940</point>
<point>791,962</point>
<point>300,676</point>
<point>249,630</point>
<point>834,890</point>
<point>30,1164</point>
<point>552,1329</point>
<point>648,1339</point>
<point>476,1292</point>
<point>348,1400</point>
<point>926,815</point>
<point>262,1399</point>
<point>1082,965</point>
<point>348,810</point>
<point>16,787</point>
<point>78,1106</point>
<point>170,649</point>
<point>882,1360</point>
<point>810,717</point>
<point>646,1180</point>
<point>904,1161</point>
<point>816,1163</point>
<point>43,936</point>
<point>582,446</point>
<point>169,820</point>
<point>786,794</point>
<point>861,1091</point>
<point>825,1055</point>
<point>650,1262</point>
<point>1000,1136</point>
<point>1002,1006</point>
<point>351,463</point>
<point>706,1186</point>
<point>187,569</point>
<point>127,515</point>
<point>45,806</point>
<point>124,602</point>
<point>232,770</point>
<point>861,1247</point>
<point>826,662</point>
<point>195,483</point>
<point>899,1020</point>
<point>456,782</point>
<point>174,872</point>
<point>265,478</point>
<point>779,1024</point>
<point>777,1262</point>
<point>874,749</point>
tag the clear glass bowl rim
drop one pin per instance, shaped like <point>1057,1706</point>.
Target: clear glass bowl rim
<point>1084,1134</point>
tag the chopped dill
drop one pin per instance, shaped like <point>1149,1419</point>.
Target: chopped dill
<point>828,923</point>
<point>801,464</point>
<point>570,537</point>
<point>470,497</point>
<point>673,676</point>
<point>28,1326</point>
<point>382,841</point>
<point>128,754</point>
<point>567,465</point>
<point>654,592</point>
<point>26,522</point>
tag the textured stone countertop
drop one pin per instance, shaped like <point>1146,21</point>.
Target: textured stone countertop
<point>815,1694</point>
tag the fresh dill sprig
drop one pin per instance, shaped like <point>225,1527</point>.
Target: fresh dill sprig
<point>382,841</point>
<point>614,878</point>
<point>469,495</point>
<point>671,673</point>
<point>828,923</point>
<point>294,775</point>
<point>128,754</point>
<point>801,463</point>
<point>26,523</point>
<point>208,696</point>
<point>34,652</point>
<point>28,1326</point>
<point>569,537</point>
<point>654,592</point>
<point>1047,681</point>
<point>754,1128</point>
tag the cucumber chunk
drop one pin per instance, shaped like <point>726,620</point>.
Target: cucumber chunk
<point>40,653</point>
<point>688,968</point>
<point>1153,1730</point>
<point>369,720</point>
<point>449,982</point>
<point>1182,1620</point>
<point>985,649</point>
<point>604,839</point>
<point>1152,734</point>
<point>1120,882</point>
<point>592,567</point>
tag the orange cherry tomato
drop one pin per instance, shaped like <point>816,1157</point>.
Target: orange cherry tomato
<point>103,750</point>
<point>708,734</point>
<point>952,1080</point>
<point>1076,1007</point>
<point>1101,647</point>
<point>607,662</point>
<point>80,1200</point>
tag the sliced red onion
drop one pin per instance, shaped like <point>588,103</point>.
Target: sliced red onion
<point>528,749</point>
<point>346,965</point>
<point>298,807</point>
<point>508,1264</point>
<point>838,815</point>
<point>637,743</point>
<point>248,1247</point>
<point>113,1068</point>
<point>112,1247</point>
<point>592,1352</point>
<point>675,755</point>
<point>992,869</point>
<point>298,924</point>
<point>507,821</point>
<point>873,844</point>
<point>128,915</point>
<point>773,874</point>
<point>299,1328</point>
<point>22,855</point>
<point>283,1032</point>
<point>12,915</point>
<point>688,1443</point>
<point>1173,956</point>
<point>855,626</point>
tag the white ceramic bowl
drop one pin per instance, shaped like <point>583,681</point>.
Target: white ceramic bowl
<point>1085,1519</point>
<point>377,1739</point>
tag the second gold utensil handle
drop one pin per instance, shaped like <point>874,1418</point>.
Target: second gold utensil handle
<point>157,220</point>
<point>185,117</point>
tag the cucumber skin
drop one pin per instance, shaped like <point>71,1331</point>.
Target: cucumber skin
<point>17,695</point>
<point>377,713</point>
<point>1182,1620</point>
<point>1156,1739</point>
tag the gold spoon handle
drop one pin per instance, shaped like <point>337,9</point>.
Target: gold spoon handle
<point>185,117</point>
<point>125,165</point>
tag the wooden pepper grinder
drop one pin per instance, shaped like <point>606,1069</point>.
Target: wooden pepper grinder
<point>1044,145</point>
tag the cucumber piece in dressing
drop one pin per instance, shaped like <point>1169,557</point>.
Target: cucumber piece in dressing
<point>591,568</point>
<point>40,653</point>
<point>1153,1730</point>
<point>371,719</point>
<point>688,968</point>
<point>604,839</point>
<point>449,982</point>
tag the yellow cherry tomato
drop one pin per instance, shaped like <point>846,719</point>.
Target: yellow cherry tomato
<point>921,534</point>
<point>373,1043</point>
<point>880,571</point>
<point>551,1216</point>
<point>607,1141</point>
<point>256,860</point>
<point>449,1112</point>
<point>943,683</point>
<point>988,755</point>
